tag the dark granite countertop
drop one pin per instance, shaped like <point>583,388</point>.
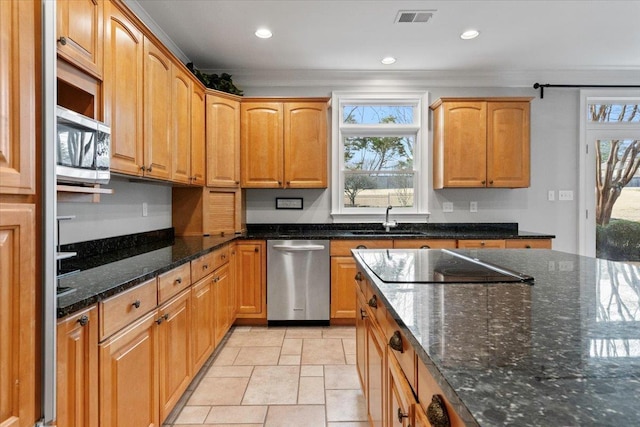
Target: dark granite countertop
<point>564,351</point>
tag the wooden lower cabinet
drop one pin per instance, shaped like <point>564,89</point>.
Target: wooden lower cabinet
<point>174,351</point>
<point>129,376</point>
<point>361,339</point>
<point>528,244</point>
<point>425,244</point>
<point>251,279</point>
<point>223,311</point>
<point>376,374</point>
<point>400,398</point>
<point>77,369</point>
<point>481,244</point>
<point>343,303</point>
<point>203,302</point>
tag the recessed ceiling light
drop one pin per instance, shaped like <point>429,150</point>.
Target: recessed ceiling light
<point>469,34</point>
<point>264,33</point>
<point>388,60</point>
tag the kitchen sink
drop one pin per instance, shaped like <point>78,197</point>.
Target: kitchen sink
<point>390,233</point>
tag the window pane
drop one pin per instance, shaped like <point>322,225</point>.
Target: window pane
<point>377,114</point>
<point>614,113</point>
<point>379,190</point>
<point>373,153</point>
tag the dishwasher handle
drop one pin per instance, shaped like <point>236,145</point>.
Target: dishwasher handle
<point>299,248</point>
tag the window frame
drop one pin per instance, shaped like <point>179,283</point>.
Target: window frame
<point>420,129</point>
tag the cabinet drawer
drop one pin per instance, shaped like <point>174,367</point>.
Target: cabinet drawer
<point>481,244</point>
<point>202,266</point>
<point>425,244</point>
<point>377,308</point>
<point>427,388</point>
<point>343,247</point>
<point>528,244</point>
<point>122,309</point>
<point>220,256</point>
<point>173,281</point>
<point>403,351</point>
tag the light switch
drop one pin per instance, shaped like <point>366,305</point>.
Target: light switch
<point>551,195</point>
<point>145,209</point>
<point>473,206</point>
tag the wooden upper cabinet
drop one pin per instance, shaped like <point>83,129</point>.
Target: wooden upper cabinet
<point>198,156</point>
<point>181,128</point>
<point>481,142</point>
<point>223,141</point>
<point>284,144</point>
<point>123,91</point>
<point>261,145</point>
<point>157,112</point>
<point>79,33</point>
<point>19,95</point>
<point>305,144</point>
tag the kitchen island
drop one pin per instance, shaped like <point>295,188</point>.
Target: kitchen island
<point>563,350</point>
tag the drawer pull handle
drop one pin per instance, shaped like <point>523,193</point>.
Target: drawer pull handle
<point>136,303</point>
<point>358,276</point>
<point>63,41</point>
<point>401,415</point>
<point>179,280</point>
<point>205,267</point>
<point>373,302</point>
<point>395,342</point>
<point>223,256</point>
<point>162,318</point>
<point>425,247</point>
<point>363,314</point>
<point>83,320</point>
<point>361,247</point>
<point>437,412</point>
<point>527,246</point>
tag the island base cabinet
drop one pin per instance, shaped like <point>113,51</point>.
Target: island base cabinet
<point>129,376</point>
<point>77,369</point>
<point>400,398</point>
<point>376,367</point>
<point>427,388</point>
<point>361,339</point>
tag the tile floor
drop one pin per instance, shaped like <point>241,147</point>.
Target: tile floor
<point>278,377</point>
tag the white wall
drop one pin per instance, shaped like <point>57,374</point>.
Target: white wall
<point>554,166</point>
<point>117,214</point>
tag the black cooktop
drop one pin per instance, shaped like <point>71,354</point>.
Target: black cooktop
<point>436,266</point>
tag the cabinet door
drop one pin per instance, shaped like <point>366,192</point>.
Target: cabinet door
<point>181,125</point>
<point>305,144</point>
<point>79,33</point>
<point>202,321</point>
<point>400,399</point>
<point>376,374</point>
<point>223,142</point>
<point>343,298</point>
<point>19,316</point>
<point>261,162</point>
<point>19,55</point>
<point>251,279</point>
<point>129,376</point>
<point>361,338</point>
<point>528,244</point>
<point>198,158</point>
<point>461,140</point>
<point>77,369</point>
<point>174,351</point>
<point>222,281</point>
<point>508,144</point>
<point>157,112</point>
<point>123,91</point>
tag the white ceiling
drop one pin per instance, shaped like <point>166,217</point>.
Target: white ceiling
<point>354,35</point>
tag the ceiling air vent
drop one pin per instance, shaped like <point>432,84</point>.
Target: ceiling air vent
<point>411,16</point>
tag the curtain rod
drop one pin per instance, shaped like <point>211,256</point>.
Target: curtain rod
<point>542,86</point>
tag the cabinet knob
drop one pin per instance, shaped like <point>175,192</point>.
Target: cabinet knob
<point>237,182</point>
<point>136,303</point>
<point>361,247</point>
<point>205,267</point>
<point>358,276</point>
<point>425,247</point>
<point>162,318</point>
<point>279,182</point>
<point>257,250</point>
<point>491,182</point>
<point>482,243</point>
<point>363,313</point>
<point>223,256</point>
<point>401,415</point>
<point>178,280</point>
<point>373,302</point>
<point>483,182</point>
<point>142,168</point>
<point>62,40</point>
<point>149,168</point>
<point>83,320</point>
<point>395,342</point>
<point>527,246</point>
<point>437,412</point>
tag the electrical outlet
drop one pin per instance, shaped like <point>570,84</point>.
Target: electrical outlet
<point>473,206</point>
<point>551,195</point>
<point>565,265</point>
<point>145,209</point>
<point>447,207</point>
<point>552,266</point>
<point>565,195</point>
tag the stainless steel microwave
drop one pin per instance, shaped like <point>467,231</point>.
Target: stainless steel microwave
<point>82,148</point>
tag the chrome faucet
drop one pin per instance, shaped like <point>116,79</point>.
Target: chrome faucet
<point>388,224</point>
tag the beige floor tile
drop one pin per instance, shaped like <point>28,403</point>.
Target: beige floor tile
<point>350,358</point>
<point>272,385</point>
<point>292,346</point>
<point>240,329</point>
<point>226,356</point>
<point>258,356</point>
<point>229,371</point>
<point>341,377</point>
<point>322,352</point>
<point>219,391</point>
<point>218,425</point>
<point>289,359</point>
<point>291,416</point>
<point>266,338</point>
<point>193,415</point>
<point>311,391</point>
<point>348,424</point>
<point>346,405</point>
<point>311,371</point>
<point>302,332</point>
<point>237,414</point>
<point>339,332</point>
<point>349,345</point>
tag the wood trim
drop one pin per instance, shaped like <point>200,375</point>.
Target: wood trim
<point>439,101</point>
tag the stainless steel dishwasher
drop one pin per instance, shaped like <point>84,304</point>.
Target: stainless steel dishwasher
<point>298,282</point>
